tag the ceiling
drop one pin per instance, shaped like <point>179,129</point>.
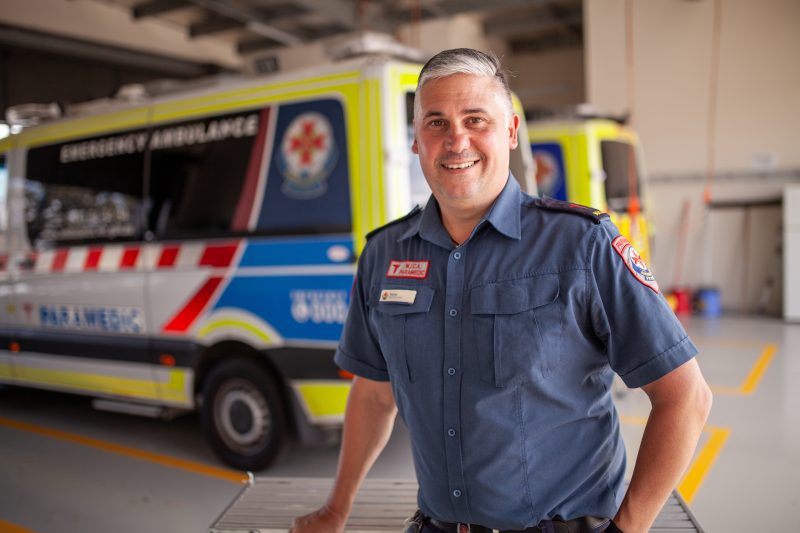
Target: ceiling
<point>254,26</point>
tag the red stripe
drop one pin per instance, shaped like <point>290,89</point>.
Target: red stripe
<point>129,257</point>
<point>59,260</point>
<point>92,259</point>
<point>244,207</point>
<point>169,254</point>
<point>220,255</point>
<point>186,316</point>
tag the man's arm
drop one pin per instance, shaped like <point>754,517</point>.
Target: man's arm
<point>368,423</point>
<point>681,401</point>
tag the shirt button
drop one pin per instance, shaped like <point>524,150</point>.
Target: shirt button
<point>457,256</point>
<point>457,493</point>
<point>453,312</point>
<point>451,371</point>
<point>451,432</point>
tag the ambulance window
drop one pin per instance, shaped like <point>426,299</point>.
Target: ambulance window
<point>197,172</point>
<point>86,190</point>
<point>420,191</point>
<point>617,157</point>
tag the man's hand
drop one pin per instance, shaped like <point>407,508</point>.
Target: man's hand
<point>323,520</point>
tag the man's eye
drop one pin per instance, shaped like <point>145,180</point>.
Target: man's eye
<point>476,120</point>
<point>436,123</point>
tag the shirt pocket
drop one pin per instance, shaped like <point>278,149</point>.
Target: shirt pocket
<point>517,329</point>
<point>404,331</point>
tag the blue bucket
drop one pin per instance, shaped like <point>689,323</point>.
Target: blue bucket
<point>707,302</point>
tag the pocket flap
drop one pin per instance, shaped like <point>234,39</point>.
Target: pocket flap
<point>514,296</point>
<point>421,304</point>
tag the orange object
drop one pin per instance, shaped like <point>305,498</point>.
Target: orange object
<point>672,300</point>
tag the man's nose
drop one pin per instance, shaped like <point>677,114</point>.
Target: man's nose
<point>457,140</point>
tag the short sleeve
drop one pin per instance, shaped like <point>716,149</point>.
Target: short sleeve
<point>359,352</point>
<point>643,338</point>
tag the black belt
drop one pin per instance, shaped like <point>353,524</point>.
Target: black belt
<point>584,524</point>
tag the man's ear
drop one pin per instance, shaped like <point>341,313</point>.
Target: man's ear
<point>513,130</point>
<point>414,147</point>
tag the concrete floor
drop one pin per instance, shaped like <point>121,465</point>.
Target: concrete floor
<point>67,468</point>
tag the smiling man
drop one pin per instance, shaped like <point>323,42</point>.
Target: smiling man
<point>494,322</point>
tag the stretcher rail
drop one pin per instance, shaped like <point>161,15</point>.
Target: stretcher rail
<point>268,505</point>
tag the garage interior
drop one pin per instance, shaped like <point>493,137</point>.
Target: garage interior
<point>710,86</point>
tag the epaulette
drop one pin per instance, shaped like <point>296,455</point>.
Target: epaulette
<point>410,214</point>
<point>551,204</point>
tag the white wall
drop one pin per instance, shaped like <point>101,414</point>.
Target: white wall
<point>552,79</point>
<point>757,125</point>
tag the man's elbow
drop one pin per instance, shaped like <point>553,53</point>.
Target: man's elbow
<point>704,401</point>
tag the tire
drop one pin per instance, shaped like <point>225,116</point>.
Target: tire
<point>243,414</point>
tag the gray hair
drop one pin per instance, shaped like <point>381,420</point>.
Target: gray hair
<point>464,61</point>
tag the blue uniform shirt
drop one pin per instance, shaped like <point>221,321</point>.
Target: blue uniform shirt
<point>501,355</point>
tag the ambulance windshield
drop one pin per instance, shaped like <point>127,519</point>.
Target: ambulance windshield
<point>619,159</point>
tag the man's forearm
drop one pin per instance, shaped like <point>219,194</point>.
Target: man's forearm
<point>670,437</point>
<point>368,424</point>
<point>664,453</point>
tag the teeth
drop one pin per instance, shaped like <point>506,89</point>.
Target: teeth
<point>460,166</point>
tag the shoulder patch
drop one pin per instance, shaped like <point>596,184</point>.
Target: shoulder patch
<point>410,214</point>
<point>633,261</point>
<point>551,204</point>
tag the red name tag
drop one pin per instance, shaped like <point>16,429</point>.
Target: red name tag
<point>408,269</point>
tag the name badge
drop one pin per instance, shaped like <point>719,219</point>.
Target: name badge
<point>398,296</point>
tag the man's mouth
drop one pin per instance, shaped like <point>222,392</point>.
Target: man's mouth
<point>459,166</point>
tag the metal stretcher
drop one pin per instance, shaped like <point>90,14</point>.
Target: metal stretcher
<point>267,505</point>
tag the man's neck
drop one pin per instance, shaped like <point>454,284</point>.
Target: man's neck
<point>460,223</point>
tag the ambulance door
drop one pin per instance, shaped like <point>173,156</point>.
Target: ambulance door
<point>204,173</point>
<point>620,157</point>
<point>252,223</point>
<point>80,294</point>
<point>7,315</point>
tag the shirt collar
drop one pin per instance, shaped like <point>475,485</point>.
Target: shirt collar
<point>504,215</point>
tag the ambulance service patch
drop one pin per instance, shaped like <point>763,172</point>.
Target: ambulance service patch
<point>408,269</point>
<point>634,262</point>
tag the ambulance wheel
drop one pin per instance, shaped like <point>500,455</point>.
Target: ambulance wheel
<point>243,415</point>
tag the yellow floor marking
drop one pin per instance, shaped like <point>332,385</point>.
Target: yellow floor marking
<point>633,420</point>
<point>750,383</point>
<point>702,463</point>
<point>197,468</point>
<point>8,527</point>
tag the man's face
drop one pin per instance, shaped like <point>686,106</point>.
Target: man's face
<point>463,133</point>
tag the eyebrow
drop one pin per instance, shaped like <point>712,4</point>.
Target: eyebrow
<point>469,111</point>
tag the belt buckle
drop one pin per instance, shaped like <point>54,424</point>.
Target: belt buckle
<point>463,528</point>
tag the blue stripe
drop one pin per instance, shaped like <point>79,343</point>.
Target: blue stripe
<point>299,308</point>
<point>299,251</point>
